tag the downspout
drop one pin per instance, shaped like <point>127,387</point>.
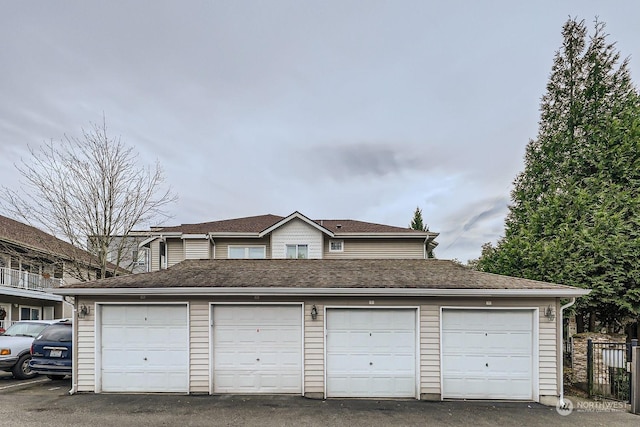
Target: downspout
<point>74,347</point>
<point>561,403</point>
<point>212,242</point>
<point>163,262</point>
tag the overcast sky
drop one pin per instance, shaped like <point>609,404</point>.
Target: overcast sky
<point>338,109</point>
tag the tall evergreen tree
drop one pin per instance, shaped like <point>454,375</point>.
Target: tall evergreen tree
<point>417,223</point>
<point>575,212</point>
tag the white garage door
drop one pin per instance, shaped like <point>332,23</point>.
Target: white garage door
<point>144,348</point>
<point>257,349</point>
<point>371,352</point>
<point>487,354</point>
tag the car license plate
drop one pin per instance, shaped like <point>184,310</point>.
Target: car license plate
<point>55,353</point>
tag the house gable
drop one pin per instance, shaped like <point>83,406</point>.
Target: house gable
<point>298,233</point>
<point>296,216</point>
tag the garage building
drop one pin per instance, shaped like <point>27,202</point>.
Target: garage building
<point>422,329</point>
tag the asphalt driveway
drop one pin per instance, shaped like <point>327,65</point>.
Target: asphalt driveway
<point>46,403</point>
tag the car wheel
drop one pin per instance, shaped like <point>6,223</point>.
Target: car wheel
<point>21,370</point>
<point>56,377</point>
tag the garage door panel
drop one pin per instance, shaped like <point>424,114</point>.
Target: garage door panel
<point>461,364</point>
<point>514,341</point>
<point>248,315</point>
<point>461,340</point>
<point>393,362</point>
<point>121,358</point>
<point>117,316</point>
<point>144,348</point>
<point>371,352</point>
<point>257,349</point>
<point>235,358</point>
<point>510,366</point>
<point>247,336</point>
<point>167,357</point>
<point>487,354</point>
<point>114,334</point>
<point>132,315</point>
<point>265,382</point>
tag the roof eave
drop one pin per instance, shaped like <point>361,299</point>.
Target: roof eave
<point>25,293</point>
<point>282,291</point>
<point>385,235</point>
<point>238,234</point>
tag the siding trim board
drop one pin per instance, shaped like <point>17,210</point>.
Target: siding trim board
<point>296,292</point>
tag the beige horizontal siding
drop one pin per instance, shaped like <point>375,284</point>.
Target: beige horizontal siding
<point>376,249</point>
<point>175,251</point>
<point>199,347</point>
<point>548,362</point>
<point>154,254</point>
<point>313,349</point>
<point>197,249</point>
<point>86,348</point>
<point>222,246</point>
<point>429,349</point>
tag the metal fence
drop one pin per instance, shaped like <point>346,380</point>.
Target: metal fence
<point>567,352</point>
<point>609,369</point>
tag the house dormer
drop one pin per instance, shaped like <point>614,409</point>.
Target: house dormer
<point>297,237</point>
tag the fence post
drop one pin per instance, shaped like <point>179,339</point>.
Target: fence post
<point>633,361</point>
<point>590,366</point>
<point>635,379</point>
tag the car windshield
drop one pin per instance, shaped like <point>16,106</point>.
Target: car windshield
<point>60,333</point>
<point>25,329</point>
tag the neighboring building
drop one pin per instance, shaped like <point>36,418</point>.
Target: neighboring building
<point>277,237</point>
<point>32,261</point>
<point>364,328</point>
<point>126,249</point>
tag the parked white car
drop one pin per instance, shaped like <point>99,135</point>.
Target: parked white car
<point>15,346</point>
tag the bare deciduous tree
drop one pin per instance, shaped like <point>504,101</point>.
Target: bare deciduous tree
<point>88,191</point>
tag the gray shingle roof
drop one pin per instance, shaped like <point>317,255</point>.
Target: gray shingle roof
<point>256,224</point>
<point>27,236</point>
<point>353,273</point>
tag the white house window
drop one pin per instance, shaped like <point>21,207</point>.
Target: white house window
<point>139,257</point>
<point>298,251</point>
<point>29,313</point>
<point>247,252</point>
<point>336,245</point>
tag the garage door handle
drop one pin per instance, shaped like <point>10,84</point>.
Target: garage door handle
<point>486,364</point>
<point>145,358</point>
<point>257,360</point>
<point>370,363</point>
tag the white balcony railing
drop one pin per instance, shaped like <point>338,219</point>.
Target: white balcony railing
<point>25,280</point>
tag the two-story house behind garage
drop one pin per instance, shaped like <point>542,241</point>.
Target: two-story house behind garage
<point>276,237</point>
<point>31,262</point>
